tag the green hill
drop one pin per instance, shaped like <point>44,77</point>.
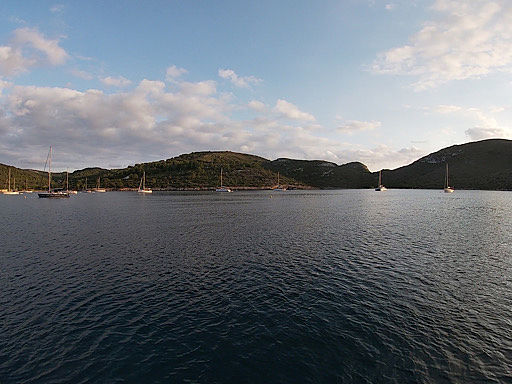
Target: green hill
<point>324,174</point>
<point>483,164</point>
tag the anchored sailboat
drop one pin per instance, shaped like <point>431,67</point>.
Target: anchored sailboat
<point>380,188</point>
<point>9,191</point>
<point>98,189</point>
<point>222,188</point>
<point>447,188</point>
<point>67,185</point>
<point>279,187</point>
<point>50,193</point>
<point>142,185</point>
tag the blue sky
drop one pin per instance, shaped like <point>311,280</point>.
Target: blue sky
<point>382,82</point>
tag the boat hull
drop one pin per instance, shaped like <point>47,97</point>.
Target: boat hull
<point>53,195</point>
<point>144,191</point>
<point>381,189</point>
<point>449,190</point>
<point>222,189</point>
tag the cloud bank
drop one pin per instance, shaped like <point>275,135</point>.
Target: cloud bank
<point>467,39</point>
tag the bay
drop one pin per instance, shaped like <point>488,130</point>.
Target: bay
<point>257,287</point>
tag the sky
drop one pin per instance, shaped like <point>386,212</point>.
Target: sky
<point>383,82</point>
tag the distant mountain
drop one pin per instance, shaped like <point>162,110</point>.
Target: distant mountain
<point>483,164</point>
<point>324,174</point>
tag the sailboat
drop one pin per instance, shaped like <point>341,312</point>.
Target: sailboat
<point>98,189</point>
<point>85,189</point>
<point>142,185</point>
<point>279,187</point>
<point>447,188</point>
<point>26,190</point>
<point>50,193</point>
<point>222,188</point>
<point>67,185</point>
<point>9,191</point>
<point>380,188</point>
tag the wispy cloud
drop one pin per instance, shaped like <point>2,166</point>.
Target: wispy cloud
<point>239,81</point>
<point>119,81</point>
<point>257,105</point>
<point>291,111</point>
<point>468,39</point>
<point>352,126</point>
<point>57,8</point>
<point>173,72</point>
<point>82,74</point>
<point>484,121</point>
<point>29,48</point>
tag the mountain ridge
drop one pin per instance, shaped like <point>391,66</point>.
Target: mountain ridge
<point>484,164</point>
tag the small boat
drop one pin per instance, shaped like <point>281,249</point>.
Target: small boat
<point>380,188</point>
<point>98,189</point>
<point>142,185</point>
<point>85,189</point>
<point>51,194</point>
<point>9,191</point>
<point>26,190</point>
<point>222,188</point>
<point>278,187</point>
<point>67,185</point>
<point>447,188</point>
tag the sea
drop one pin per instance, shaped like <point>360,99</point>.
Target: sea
<point>341,286</point>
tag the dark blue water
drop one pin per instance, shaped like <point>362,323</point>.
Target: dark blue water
<point>257,287</point>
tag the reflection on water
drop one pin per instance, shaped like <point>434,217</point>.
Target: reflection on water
<point>300,286</point>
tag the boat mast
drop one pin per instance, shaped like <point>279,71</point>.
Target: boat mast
<point>50,169</point>
<point>380,178</point>
<point>144,180</point>
<point>86,183</point>
<point>67,181</point>
<point>221,177</point>
<point>9,182</point>
<point>446,181</point>
<point>278,179</point>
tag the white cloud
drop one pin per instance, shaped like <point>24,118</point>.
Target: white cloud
<point>257,105</point>
<point>57,8</point>
<point>173,72</point>
<point>29,48</point>
<point>469,39</point>
<point>485,124</point>
<point>239,81</point>
<point>116,81</point>
<point>291,111</point>
<point>352,126</point>
<point>487,127</point>
<point>26,37</point>
<point>82,74</point>
<point>445,109</point>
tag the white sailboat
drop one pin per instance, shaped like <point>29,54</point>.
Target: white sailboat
<point>67,185</point>
<point>447,188</point>
<point>279,187</point>
<point>9,191</point>
<point>222,188</point>
<point>85,189</point>
<point>26,190</point>
<point>142,185</point>
<point>98,189</point>
<point>51,194</point>
<point>380,188</point>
